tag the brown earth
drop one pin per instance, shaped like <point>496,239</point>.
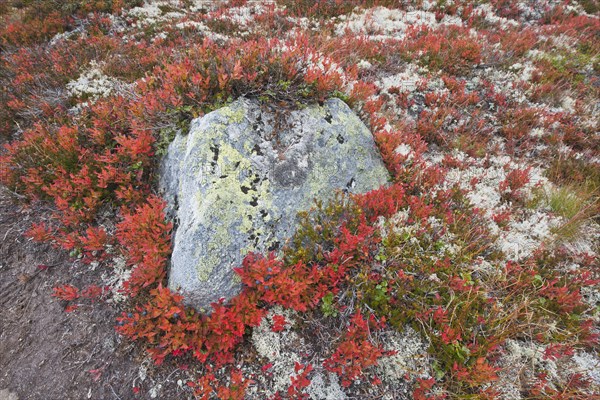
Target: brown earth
<point>47,353</point>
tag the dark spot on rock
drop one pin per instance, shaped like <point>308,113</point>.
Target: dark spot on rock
<point>349,185</point>
<point>263,213</point>
<point>274,246</point>
<point>328,117</point>
<point>215,151</point>
<point>257,150</point>
<point>289,174</point>
<point>340,138</point>
<point>254,201</point>
<point>244,189</point>
<point>237,164</point>
<point>223,176</point>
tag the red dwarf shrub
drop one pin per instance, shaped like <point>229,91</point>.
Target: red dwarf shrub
<point>449,48</point>
<point>208,386</point>
<point>355,352</point>
<point>146,237</point>
<point>299,382</point>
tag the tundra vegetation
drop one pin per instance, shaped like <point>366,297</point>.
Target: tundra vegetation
<point>483,248</point>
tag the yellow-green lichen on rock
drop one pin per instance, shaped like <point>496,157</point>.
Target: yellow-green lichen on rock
<point>236,181</point>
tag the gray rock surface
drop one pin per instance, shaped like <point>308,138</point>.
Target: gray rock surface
<point>237,180</point>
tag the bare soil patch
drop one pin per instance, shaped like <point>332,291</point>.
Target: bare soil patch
<point>46,353</point>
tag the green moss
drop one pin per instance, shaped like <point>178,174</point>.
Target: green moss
<point>342,96</point>
<point>327,306</point>
<point>164,139</point>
